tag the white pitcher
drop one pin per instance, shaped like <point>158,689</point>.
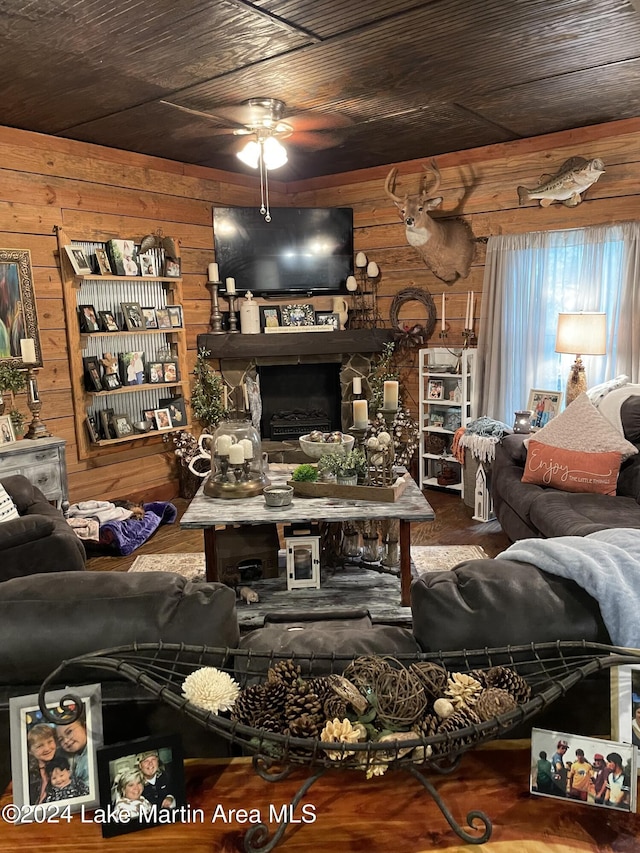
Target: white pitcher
<point>340,308</point>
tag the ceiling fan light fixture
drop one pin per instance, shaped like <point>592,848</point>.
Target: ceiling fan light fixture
<point>250,154</point>
<point>275,154</point>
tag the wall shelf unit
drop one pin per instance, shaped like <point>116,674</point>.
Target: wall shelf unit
<point>446,384</point>
<point>106,293</point>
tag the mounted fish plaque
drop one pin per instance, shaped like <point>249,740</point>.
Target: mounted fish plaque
<point>573,178</point>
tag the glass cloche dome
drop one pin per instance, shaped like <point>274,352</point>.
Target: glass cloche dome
<point>236,462</point>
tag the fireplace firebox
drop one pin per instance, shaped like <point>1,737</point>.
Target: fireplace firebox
<point>298,398</point>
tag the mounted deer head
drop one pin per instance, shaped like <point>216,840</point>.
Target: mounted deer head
<point>446,246</point>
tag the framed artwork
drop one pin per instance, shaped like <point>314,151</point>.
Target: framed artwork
<point>625,704</point>
<point>162,316</point>
<point>132,314</point>
<point>7,431</point>
<point>111,381</point>
<point>148,264</point>
<point>543,406</point>
<point>156,372</point>
<point>269,316</point>
<point>435,389</point>
<point>18,316</point>
<point>149,415</point>
<point>92,429</point>
<point>88,318</point>
<point>149,317</point>
<point>122,426</point>
<point>107,321</point>
<point>78,259</point>
<point>328,318</point>
<point>172,268</point>
<point>106,425</point>
<point>177,409</point>
<point>162,418</point>
<point>92,379</point>
<point>123,257</point>
<point>53,765</point>
<point>175,316</point>
<point>170,371</point>
<point>141,783</point>
<point>298,314</point>
<point>585,770</point>
<point>132,370</point>
<point>104,267</point>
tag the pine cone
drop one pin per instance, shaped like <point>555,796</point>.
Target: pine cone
<point>509,680</point>
<point>304,726</point>
<point>286,671</point>
<point>275,696</point>
<point>462,718</point>
<point>427,726</point>
<point>303,701</point>
<point>479,675</point>
<point>321,686</point>
<point>494,701</point>
<point>334,707</point>
<point>249,705</point>
<point>462,689</point>
<point>270,722</point>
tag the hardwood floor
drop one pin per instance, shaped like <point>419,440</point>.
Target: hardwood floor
<point>453,525</point>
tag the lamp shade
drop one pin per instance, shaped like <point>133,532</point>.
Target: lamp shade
<point>582,333</point>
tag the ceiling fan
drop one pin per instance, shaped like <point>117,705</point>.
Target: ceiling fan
<point>265,123</point>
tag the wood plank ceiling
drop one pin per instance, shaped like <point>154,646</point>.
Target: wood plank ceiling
<point>399,79</point>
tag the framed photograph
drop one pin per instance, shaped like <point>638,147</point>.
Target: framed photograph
<point>175,316</point>
<point>328,318</point>
<point>543,406</point>
<point>123,256</point>
<point>78,259</point>
<point>435,389</point>
<point>111,381</point>
<point>7,431</point>
<point>141,783</point>
<point>107,322</point>
<point>122,426</point>
<point>586,770</point>
<point>132,371</point>
<point>148,264</point>
<point>92,429</point>
<point>88,318</point>
<point>170,371</point>
<point>132,314</point>
<point>625,704</point>
<point>149,317</point>
<point>53,765</point>
<point>19,308</point>
<point>104,267</point>
<point>298,314</point>
<point>106,425</point>
<point>269,316</point>
<point>163,318</point>
<point>92,379</point>
<point>156,372</point>
<point>172,268</point>
<point>149,415</point>
<point>177,409</point>
<point>162,418</point>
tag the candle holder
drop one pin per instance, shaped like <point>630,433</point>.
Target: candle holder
<point>233,317</point>
<point>360,435</point>
<point>389,416</point>
<point>469,337</point>
<point>443,335</point>
<point>36,428</point>
<point>215,320</point>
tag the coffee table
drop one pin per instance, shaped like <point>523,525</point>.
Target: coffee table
<point>206,513</point>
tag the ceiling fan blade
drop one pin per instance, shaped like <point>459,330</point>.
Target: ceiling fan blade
<point>318,121</point>
<point>313,141</point>
<point>203,114</point>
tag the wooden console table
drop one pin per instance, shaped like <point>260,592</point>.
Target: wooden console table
<point>205,513</point>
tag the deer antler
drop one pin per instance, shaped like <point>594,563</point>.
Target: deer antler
<point>432,169</point>
<point>390,185</point>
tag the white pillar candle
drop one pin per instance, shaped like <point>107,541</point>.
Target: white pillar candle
<point>360,414</point>
<point>372,269</point>
<point>28,350</point>
<point>466,313</point>
<point>471,310</point>
<point>247,447</point>
<point>390,396</point>
<point>213,272</point>
<point>443,320</point>
<point>357,385</point>
<point>361,259</point>
<point>230,284</point>
<point>352,284</point>
<point>246,396</point>
<point>236,454</point>
<point>224,396</point>
<point>223,445</point>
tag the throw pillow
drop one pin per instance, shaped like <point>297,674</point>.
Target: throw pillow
<point>582,427</point>
<point>8,509</point>
<point>630,417</point>
<point>571,470</point>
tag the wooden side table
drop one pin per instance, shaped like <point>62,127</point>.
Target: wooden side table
<point>43,462</point>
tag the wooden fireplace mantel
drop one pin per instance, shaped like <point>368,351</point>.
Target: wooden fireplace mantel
<point>295,343</point>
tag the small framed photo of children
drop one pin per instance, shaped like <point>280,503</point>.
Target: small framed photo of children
<point>543,406</point>
<point>149,317</point>
<point>7,432</point>
<point>328,318</point>
<point>175,316</point>
<point>156,372</point>
<point>53,751</point>
<point>162,418</point>
<point>163,318</point>
<point>122,426</point>
<point>269,317</point>
<point>172,268</point>
<point>108,321</point>
<point>435,389</point>
<point>170,371</point>
<point>132,313</point>
<point>111,381</point>
<point>132,370</point>
<point>88,318</point>
<point>104,267</point>
<point>78,259</point>
<point>148,264</point>
<point>141,783</point>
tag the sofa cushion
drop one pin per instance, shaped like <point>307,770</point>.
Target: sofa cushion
<point>20,531</point>
<point>8,510</point>
<point>564,514</point>
<point>571,470</point>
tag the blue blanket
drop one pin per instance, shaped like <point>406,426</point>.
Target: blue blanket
<point>606,564</point>
<point>121,538</point>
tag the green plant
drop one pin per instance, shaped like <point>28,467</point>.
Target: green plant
<point>305,474</point>
<point>17,418</point>
<point>383,371</point>
<point>343,464</point>
<point>207,396</point>
<point>12,379</point>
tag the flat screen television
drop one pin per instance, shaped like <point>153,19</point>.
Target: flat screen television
<point>302,250</point>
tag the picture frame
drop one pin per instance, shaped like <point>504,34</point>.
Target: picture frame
<point>123,256</point>
<point>132,315</point>
<point>602,773</point>
<point>170,370</point>
<point>163,419</point>
<point>149,317</point>
<point>625,705</point>
<point>163,318</point>
<point>328,318</point>
<point>111,381</point>
<point>92,429</point>
<point>7,430</point>
<point>435,389</point>
<point>172,268</point>
<point>152,769</point>
<point>122,425</point>
<point>106,426</point>
<point>65,751</point>
<point>19,308</point>
<point>92,376</point>
<point>543,405</point>
<point>132,367</point>
<point>149,415</point>
<point>104,267</point>
<point>156,372</point>
<point>175,316</point>
<point>148,264</point>
<point>107,321</point>
<point>88,319</point>
<point>78,260</point>
<point>269,316</point>
<point>177,409</point>
<point>298,314</point>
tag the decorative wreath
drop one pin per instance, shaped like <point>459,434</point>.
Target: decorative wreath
<point>416,335</point>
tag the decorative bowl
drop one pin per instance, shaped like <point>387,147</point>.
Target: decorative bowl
<point>142,426</point>
<point>316,449</point>
<point>277,495</point>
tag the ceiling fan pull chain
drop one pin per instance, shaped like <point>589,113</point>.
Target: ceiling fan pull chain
<point>264,185</point>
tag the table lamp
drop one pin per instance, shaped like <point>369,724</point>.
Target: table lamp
<point>583,333</point>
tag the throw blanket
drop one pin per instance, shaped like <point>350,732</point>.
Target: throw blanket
<point>121,538</point>
<point>606,564</point>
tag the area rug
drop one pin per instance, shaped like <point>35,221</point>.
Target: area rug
<point>190,566</point>
<point>441,558</point>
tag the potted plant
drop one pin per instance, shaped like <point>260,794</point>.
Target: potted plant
<point>12,381</point>
<point>207,397</point>
<point>347,467</point>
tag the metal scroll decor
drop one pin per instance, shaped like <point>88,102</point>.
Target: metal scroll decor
<point>413,334</point>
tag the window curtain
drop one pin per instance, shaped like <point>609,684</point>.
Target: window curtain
<point>528,280</point>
